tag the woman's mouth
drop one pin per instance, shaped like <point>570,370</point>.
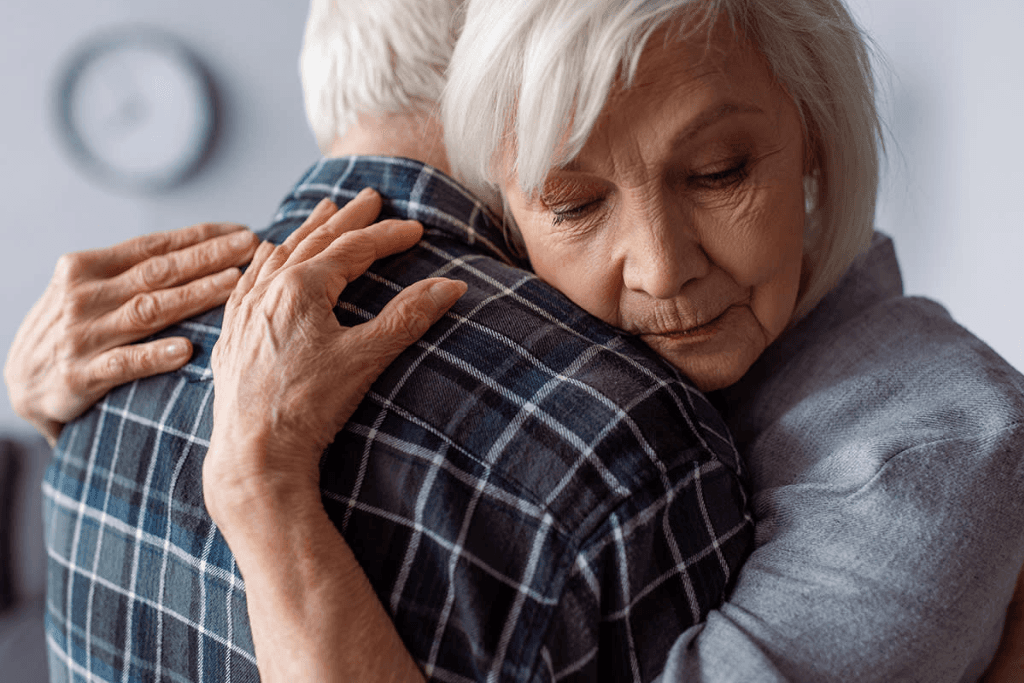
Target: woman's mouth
<point>695,333</point>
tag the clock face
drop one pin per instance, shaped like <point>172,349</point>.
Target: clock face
<point>137,110</point>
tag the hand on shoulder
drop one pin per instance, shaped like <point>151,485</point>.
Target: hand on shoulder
<point>77,341</point>
<point>287,374</point>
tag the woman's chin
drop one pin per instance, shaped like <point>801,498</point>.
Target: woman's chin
<point>711,379</point>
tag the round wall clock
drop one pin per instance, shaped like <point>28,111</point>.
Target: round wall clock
<point>136,109</point>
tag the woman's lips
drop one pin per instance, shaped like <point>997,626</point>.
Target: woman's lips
<point>696,333</point>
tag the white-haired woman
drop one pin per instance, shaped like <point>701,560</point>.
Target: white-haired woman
<point>703,175</point>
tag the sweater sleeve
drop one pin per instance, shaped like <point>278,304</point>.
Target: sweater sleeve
<point>905,577</point>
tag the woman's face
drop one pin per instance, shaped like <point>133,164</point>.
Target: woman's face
<point>681,220</point>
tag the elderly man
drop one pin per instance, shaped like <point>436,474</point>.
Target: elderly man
<point>528,491</point>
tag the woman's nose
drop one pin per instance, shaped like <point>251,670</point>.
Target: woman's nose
<point>662,253</point>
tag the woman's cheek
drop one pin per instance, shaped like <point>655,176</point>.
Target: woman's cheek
<point>580,271</point>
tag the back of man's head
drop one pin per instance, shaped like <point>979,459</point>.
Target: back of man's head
<point>374,57</point>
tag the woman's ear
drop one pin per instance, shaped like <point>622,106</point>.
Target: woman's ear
<point>810,192</point>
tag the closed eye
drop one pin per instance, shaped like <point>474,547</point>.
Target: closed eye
<point>562,214</point>
<point>725,178</point>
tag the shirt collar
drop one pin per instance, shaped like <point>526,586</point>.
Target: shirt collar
<point>411,190</point>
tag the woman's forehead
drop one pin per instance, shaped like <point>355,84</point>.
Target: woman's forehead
<point>717,58</point>
<point>682,87</point>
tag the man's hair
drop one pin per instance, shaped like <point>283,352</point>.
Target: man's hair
<point>373,57</point>
<point>532,77</point>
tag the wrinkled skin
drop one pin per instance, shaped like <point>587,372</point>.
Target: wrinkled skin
<point>77,341</point>
<point>288,377</point>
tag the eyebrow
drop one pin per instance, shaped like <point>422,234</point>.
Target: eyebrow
<point>705,119</point>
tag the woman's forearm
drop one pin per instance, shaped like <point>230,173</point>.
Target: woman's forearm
<point>288,377</point>
<point>876,583</point>
<point>312,611</point>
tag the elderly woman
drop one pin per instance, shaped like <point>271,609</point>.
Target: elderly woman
<point>702,175</point>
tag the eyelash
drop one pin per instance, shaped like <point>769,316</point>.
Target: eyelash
<point>559,216</point>
<point>729,177</point>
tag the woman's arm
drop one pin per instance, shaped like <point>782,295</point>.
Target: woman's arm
<point>76,343</point>
<point>899,579</point>
<point>288,377</point>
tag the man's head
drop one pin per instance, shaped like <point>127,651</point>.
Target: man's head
<point>374,58</point>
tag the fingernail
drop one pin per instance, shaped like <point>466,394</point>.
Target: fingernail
<point>242,238</point>
<point>447,292</point>
<point>365,192</point>
<point>227,277</point>
<point>327,205</point>
<point>175,348</point>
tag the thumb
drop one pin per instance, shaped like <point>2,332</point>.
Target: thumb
<point>401,323</point>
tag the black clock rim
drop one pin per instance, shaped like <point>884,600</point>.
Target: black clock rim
<point>109,41</point>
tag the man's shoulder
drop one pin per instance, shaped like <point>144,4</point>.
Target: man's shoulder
<point>410,189</point>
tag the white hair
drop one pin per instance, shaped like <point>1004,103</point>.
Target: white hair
<point>531,77</point>
<point>373,57</point>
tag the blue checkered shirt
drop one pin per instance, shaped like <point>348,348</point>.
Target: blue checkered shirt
<point>533,495</point>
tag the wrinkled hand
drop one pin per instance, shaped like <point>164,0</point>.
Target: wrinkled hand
<point>76,343</point>
<point>287,374</point>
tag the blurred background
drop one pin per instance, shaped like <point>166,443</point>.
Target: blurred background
<point>951,93</point>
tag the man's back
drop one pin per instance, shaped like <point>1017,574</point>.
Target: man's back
<point>529,492</point>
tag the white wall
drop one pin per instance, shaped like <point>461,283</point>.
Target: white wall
<point>952,196</point>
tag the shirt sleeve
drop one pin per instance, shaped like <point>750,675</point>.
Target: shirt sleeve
<point>651,570</point>
<point>905,577</point>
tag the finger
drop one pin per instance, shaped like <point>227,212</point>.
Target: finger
<point>352,253</point>
<point>149,312</point>
<point>129,363</point>
<point>113,260</point>
<point>357,214</point>
<point>184,265</point>
<point>248,278</point>
<point>400,324</point>
<point>321,212</point>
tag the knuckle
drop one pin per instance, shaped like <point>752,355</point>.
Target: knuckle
<point>150,245</point>
<point>143,311</point>
<point>355,240</point>
<point>75,377</point>
<point>289,280</point>
<point>221,250</point>
<point>357,248</point>
<point>199,290</point>
<point>115,365</point>
<point>70,267</point>
<point>157,271</point>
<point>77,302</point>
<point>285,294</point>
<point>405,326</point>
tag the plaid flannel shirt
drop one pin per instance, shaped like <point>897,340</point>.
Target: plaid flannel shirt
<point>533,495</point>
